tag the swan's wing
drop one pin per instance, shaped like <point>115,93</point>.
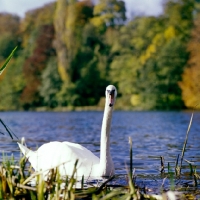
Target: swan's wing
<point>82,152</point>
<point>87,161</point>
<point>64,156</point>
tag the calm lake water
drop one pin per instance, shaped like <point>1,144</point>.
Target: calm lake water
<point>154,134</point>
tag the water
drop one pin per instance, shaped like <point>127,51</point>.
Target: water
<point>154,134</point>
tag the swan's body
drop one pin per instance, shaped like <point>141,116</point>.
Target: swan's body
<point>64,154</point>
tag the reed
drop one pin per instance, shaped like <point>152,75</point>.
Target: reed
<point>2,68</point>
<point>186,139</point>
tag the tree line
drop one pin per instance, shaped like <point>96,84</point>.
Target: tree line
<point>70,50</point>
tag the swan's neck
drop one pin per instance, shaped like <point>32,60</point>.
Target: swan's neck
<point>105,157</point>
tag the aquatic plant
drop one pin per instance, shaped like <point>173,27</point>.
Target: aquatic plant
<point>18,181</point>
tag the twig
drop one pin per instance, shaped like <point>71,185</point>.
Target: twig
<point>104,184</point>
<point>21,185</point>
<point>7,129</point>
<point>162,164</point>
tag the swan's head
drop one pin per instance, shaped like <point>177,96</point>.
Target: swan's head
<point>111,94</point>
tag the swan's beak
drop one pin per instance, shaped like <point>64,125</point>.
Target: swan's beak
<point>111,97</point>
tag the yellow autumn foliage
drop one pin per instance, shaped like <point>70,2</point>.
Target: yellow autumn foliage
<point>97,21</point>
<point>135,100</point>
<point>170,33</point>
<point>190,86</point>
<point>152,48</point>
<point>149,52</point>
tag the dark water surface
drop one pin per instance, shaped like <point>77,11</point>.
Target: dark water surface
<point>154,134</point>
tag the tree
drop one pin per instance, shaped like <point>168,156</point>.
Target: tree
<point>190,85</point>
<point>34,19</point>
<point>11,82</point>
<point>9,34</point>
<point>132,49</point>
<point>7,43</point>
<point>70,18</point>
<point>9,23</point>
<point>170,64</point>
<point>34,66</point>
<point>109,13</point>
<point>59,41</point>
<point>12,85</point>
<point>179,14</point>
<point>50,83</point>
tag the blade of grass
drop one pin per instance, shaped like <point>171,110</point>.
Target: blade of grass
<point>112,195</point>
<point>186,139</point>
<point>130,174</point>
<point>191,166</point>
<point>7,60</point>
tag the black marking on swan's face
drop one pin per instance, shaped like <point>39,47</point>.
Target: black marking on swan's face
<point>111,93</point>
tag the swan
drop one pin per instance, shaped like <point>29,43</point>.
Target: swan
<point>64,154</point>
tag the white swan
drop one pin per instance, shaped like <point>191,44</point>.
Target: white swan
<point>64,154</point>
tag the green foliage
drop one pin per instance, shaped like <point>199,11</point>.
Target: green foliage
<point>69,22</point>
<point>35,64</point>
<point>189,84</point>
<point>173,58</point>
<point>7,44</point>
<point>180,15</point>
<point>12,85</point>
<point>9,24</point>
<point>69,49</point>
<point>50,84</point>
<point>109,13</point>
<point>86,86</point>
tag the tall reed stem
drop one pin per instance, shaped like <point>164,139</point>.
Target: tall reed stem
<point>186,139</point>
